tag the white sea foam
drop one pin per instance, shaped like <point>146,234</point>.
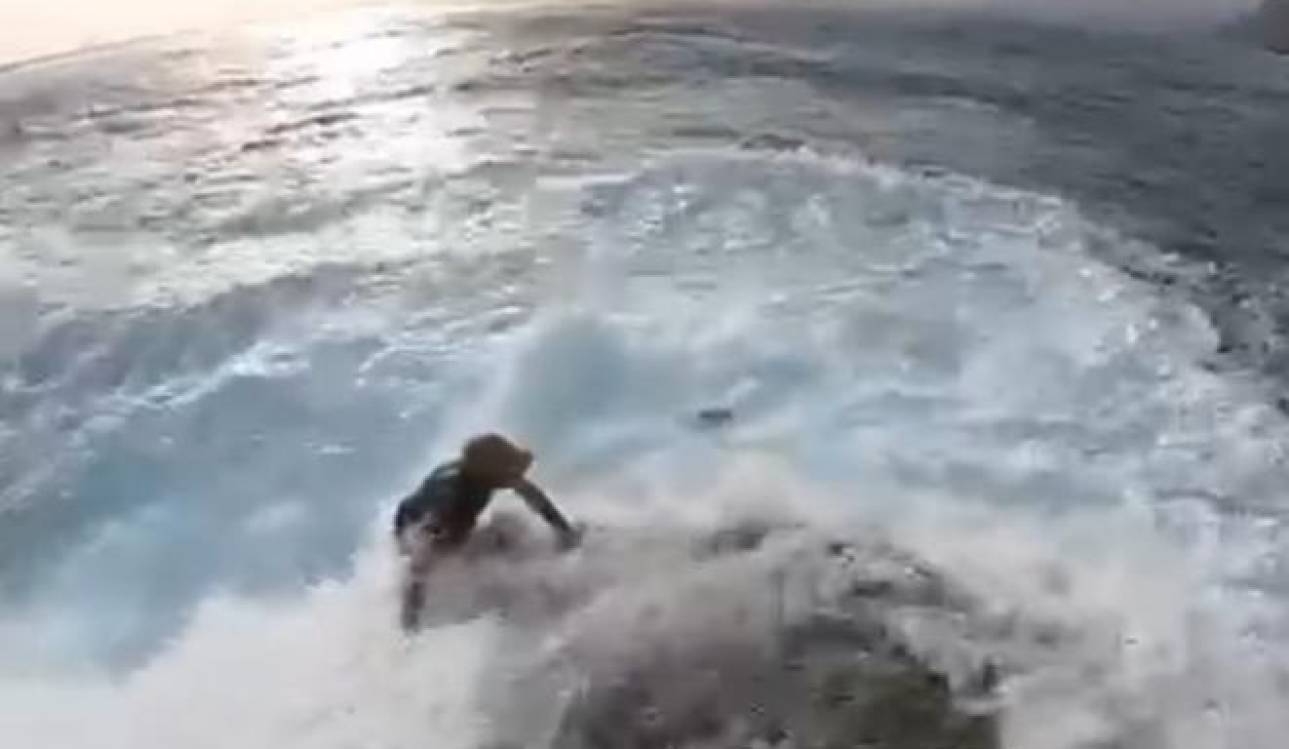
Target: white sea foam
<point>933,365</point>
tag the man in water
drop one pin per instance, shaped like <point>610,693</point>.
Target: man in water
<point>439,517</point>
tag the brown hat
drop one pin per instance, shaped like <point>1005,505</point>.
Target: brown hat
<point>495,456</point>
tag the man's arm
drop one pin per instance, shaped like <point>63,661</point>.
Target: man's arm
<point>541,504</point>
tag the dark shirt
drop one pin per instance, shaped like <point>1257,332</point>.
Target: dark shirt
<point>448,499</point>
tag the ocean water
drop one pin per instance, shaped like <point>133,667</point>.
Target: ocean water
<point>988,311</point>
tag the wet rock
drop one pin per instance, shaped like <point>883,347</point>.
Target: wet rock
<point>778,654</point>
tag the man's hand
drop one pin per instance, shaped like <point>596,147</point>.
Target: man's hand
<point>572,538</point>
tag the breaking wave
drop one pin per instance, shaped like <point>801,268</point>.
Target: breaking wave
<point>871,457</point>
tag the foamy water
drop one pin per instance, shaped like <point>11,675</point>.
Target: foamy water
<point>965,437</point>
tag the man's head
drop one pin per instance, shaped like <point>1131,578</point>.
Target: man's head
<point>495,459</point>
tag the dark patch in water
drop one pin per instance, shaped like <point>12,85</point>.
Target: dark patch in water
<point>716,416</point>
<point>324,120</point>
<point>376,97</point>
<point>706,132</point>
<point>262,144</point>
<point>773,142</point>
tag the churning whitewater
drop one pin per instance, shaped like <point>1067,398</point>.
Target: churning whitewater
<point>981,477</point>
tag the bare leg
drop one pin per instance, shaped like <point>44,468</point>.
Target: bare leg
<point>416,545</point>
<point>412,603</point>
<point>421,546</point>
